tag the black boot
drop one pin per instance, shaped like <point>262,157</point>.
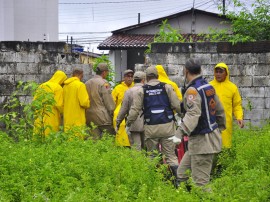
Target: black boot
<point>173,170</point>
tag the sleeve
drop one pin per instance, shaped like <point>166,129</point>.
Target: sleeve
<point>175,102</point>
<point>237,105</point>
<point>136,107</point>
<point>124,108</point>
<point>115,94</point>
<point>107,98</point>
<point>220,114</point>
<point>193,111</point>
<point>83,96</point>
<point>177,91</point>
<point>59,99</point>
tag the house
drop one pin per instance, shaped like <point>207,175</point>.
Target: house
<point>127,45</point>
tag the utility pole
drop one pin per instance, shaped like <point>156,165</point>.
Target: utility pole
<point>139,18</point>
<point>223,7</point>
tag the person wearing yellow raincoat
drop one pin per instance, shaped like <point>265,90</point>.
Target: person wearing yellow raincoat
<point>50,120</point>
<point>230,98</point>
<point>163,77</point>
<point>76,100</point>
<point>118,96</point>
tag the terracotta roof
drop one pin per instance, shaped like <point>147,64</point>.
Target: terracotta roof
<point>120,41</point>
<point>128,41</point>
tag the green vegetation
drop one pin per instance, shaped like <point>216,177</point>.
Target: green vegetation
<point>105,59</point>
<point>62,167</point>
<point>166,34</point>
<point>247,25</point>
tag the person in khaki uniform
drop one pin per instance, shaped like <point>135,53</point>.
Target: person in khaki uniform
<point>202,123</point>
<point>158,100</point>
<point>136,137</point>
<point>118,95</point>
<point>102,106</point>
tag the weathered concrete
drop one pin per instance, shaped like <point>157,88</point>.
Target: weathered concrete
<point>249,66</point>
<point>34,61</point>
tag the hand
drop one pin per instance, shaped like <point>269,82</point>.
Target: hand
<point>128,130</point>
<point>175,139</point>
<point>116,129</point>
<point>240,123</point>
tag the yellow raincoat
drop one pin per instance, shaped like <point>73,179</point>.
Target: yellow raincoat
<point>163,77</point>
<point>76,100</point>
<point>51,120</point>
<point>118,96</point>
<point>230,98</point>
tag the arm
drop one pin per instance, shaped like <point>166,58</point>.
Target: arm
<point>83,96</point>
<point>124,108</point>
<point>237,108</point>
<point>136,107</point>
<point>220,114</point>
<point>175,102</point>
<point>107,98</point>
<point>58,97</point>
<point>193,112</point>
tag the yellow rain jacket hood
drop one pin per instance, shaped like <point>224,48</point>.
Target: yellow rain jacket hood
<point>163,77</point>
<point>52,119</point>
<point>76,100</point>
<point>230,98</point>
<point>118,96</point>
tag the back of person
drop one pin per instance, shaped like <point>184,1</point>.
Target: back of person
<point>76,100</point>
<point>138,125</point>
<point>97,113</point>
<point>51,120</point>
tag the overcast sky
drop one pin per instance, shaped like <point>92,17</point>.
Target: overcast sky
<point>91,21</point>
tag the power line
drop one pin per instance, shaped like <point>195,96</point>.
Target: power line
<point>108,2</point>
<point>84,32</point>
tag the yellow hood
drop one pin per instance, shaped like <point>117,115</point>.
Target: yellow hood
<point>163,77</point>
<point>223,65</point>
<point>70,80</point>
<point>58,77</point>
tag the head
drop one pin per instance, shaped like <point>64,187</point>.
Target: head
<point>139,77</point>
<point>151,73</point>
<point>59,77</point>
<point>220,72</point>
<point>102,70</point>
<point>128,77</point>
<point>192,68</point>
<point>77,72</point>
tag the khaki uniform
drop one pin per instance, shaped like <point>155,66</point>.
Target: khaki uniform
<point>201,147</point>
<point>160,133</point>
<point>137,128</point>
<point>102,106</point>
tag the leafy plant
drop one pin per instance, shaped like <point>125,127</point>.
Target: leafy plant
<point>246,25</point>
<point>166,34</point>
<point>105,59</point>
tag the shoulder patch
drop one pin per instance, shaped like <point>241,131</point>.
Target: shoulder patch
<point>192,91</point>
<point>106,85</point>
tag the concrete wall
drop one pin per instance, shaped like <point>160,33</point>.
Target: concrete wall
<point>249,66</point>
<point>34,61</point>
<point>33,20</point>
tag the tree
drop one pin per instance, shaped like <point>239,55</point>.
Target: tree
<point>247,24</point>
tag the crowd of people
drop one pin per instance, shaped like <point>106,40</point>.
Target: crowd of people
<point>141,112</point>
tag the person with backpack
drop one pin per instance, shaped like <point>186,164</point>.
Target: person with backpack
<point>203,122</point>
<point>158,102</point>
